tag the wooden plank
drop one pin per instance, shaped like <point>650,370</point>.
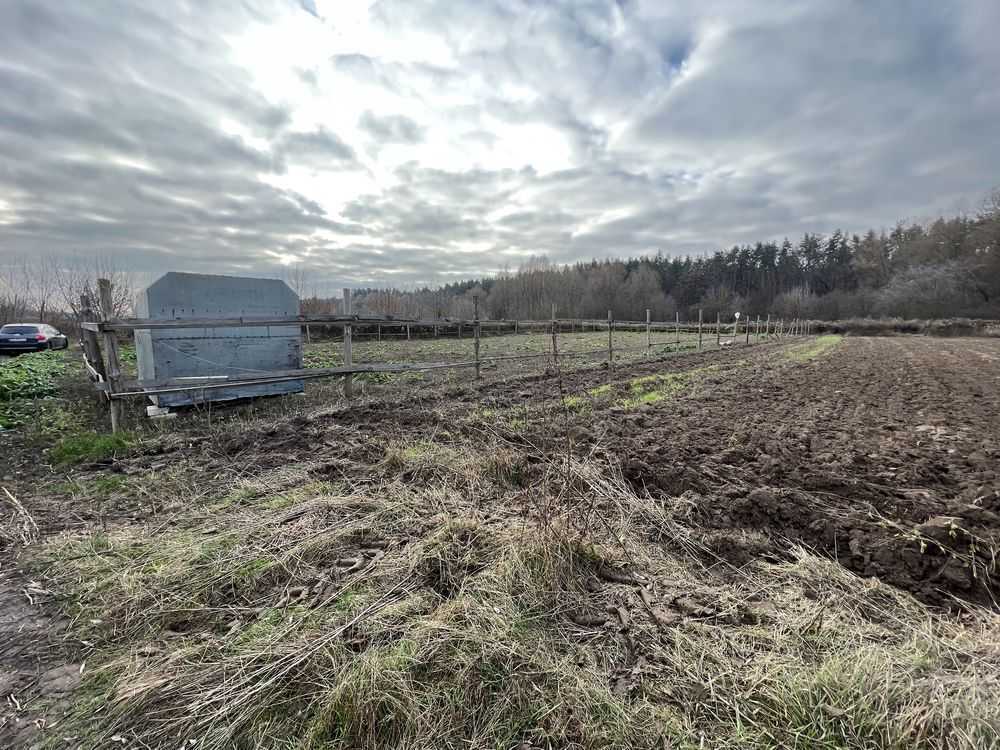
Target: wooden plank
<point>649,338</point>
<point>348,343</point>
<point>131,324</point>
<point>611,351</point>
<point>89,343</point>
<point>475,333</point>
<point>137,388</point>
<point>113,367</point>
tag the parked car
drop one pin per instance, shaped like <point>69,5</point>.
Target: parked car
<point>30,337</point>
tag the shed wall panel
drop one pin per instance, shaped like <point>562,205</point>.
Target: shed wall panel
<point>199,352</point>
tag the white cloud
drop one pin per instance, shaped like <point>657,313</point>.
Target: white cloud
<point>413,139</point>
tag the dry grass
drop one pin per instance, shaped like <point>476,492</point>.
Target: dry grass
<point>17,527</point>
<point>493,599</point>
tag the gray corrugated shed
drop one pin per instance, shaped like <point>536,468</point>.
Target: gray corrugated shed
<point>190,352</point>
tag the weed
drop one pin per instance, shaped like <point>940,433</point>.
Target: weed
<point>576,403</point>
<point>88,446</point>
<point>600,391</point>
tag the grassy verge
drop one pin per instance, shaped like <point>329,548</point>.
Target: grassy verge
<point>444,605</point>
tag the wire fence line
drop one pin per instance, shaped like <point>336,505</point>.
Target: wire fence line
<point>104,366</point>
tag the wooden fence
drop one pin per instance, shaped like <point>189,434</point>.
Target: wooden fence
<point>105,369</point>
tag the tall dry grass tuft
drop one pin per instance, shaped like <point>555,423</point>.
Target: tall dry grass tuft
<point>491,599</point>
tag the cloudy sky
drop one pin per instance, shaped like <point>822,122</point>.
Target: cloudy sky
<point>410,141</point>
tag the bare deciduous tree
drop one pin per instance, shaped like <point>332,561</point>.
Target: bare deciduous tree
<point>75,283</point>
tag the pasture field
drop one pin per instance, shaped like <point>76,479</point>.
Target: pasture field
<point>790,545</point>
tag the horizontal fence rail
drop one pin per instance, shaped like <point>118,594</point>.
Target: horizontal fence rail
<point>105,370</point>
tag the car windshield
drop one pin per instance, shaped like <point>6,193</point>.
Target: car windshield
<point>19,329</point>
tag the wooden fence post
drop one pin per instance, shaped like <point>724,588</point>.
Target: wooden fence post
<point>757,330</point>
<point>718,329</point>
<point>699,328</point>
<point>611,351</point>
<point>649,339</point>
<point>407,331</point>
<point>555,348</point>
<point>747,324</point>
<point>677,327</point>
<point>475,324</point>
<point>89,342</point>
<point>736,329</point>
<point>114,368</point>
<point>348,353</point>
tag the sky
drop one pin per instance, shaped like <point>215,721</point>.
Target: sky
<point>411,142</point>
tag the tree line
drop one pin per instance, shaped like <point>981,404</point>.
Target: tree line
<point>946,268</point>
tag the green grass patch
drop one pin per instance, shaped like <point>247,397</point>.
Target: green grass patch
<point>94,488</point>
<point>44,418</point>
<point>88,446</point>
<point>31,375</point>
<point>651,389</point>
<point>813,349</point>
<point>514,419</point>
<point>259,495</point>
<point>576,403</point>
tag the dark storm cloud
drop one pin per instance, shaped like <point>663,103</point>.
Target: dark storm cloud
<point>608,128</point>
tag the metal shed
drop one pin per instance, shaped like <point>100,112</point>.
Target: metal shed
<point>200,352</point>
